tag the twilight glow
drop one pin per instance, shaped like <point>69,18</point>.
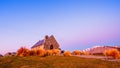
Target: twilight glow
<point>76,24</point>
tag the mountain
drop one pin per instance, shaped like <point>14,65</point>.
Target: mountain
<point>100,49</point>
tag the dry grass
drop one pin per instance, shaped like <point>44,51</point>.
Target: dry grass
<point>113,52</point>
<point>56,52</point>
<point>37,52</point>
<point>85,53</point>
<point>66,53</point>
<point>55,62</point>
<point>49,53</point>
<point>22,51</point>
<point>33,52</point>
<point>40,52</point>
<point>76,52</point>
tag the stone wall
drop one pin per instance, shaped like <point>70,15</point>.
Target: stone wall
<point>50,43</point>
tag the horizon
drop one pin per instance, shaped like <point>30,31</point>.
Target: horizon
<point>76,24</point>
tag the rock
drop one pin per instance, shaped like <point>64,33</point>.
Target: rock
<point>10,54</point>
<point>62,51</point>
<point>13,53</point>
<point>1,55</point>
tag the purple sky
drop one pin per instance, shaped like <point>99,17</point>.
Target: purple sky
<point>76,24</point>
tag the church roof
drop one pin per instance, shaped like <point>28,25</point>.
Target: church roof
<point>40,42</point>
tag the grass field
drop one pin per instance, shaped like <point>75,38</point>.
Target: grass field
<point>55,62</point>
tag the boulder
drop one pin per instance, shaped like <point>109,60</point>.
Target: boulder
<point>62,51</point>
<point>13,53</point>
<point>1,55</point>
<point>10,54</point>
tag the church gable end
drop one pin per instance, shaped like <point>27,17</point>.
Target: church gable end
<point>49,43</point>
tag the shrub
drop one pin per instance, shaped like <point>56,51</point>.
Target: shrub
<point>32,52</point>
<point>66,53</point>
<point>22,51</point>
<point>56,52</point>
<point>40,52</point>
<point>112,52</point>
<point>48,53</point>
<point>107,53</point>
<point>85,53</point>
<point>76,52</point>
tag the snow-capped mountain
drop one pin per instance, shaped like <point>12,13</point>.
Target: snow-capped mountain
<point>100,49</point>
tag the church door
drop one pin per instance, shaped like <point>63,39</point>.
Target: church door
<point>51,47</point>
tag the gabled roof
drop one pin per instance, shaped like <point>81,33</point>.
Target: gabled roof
<point>40,42</point>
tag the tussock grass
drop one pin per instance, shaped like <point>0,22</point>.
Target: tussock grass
<point>66,53</point>
<point>56,52</point>
<point>76,52</point>
<point>22,52</point>
<point>49,52</point>
<point>85,53</point>
<point>37,52</point>
<point>112,52</point>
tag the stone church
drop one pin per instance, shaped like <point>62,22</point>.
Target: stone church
<point>48,43</point>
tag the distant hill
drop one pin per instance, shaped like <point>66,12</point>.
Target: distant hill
<point>100,49</point>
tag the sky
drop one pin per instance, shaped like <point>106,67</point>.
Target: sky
<point>76,24</point>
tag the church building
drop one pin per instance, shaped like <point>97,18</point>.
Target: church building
<point>48,43</point>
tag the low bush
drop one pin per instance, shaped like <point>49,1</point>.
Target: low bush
<point>56,52</point>
<point>49,53</point>
<point>85,53</point>
<point>22,51</point>
<point>39,52</point>
<point>66,53</point>
<point>112,52</point>
<point>32,52</point>
<point>76,52</point>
